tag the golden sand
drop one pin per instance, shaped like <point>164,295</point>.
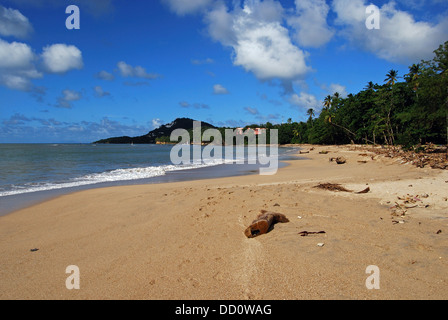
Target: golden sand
<point>186,240</point>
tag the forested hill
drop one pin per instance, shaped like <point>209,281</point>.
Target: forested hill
<point>150,138</point>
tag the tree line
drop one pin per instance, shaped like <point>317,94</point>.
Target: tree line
<point>406,111</point>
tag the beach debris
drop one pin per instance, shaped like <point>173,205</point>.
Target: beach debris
<point>338,188</point>
<point>264,222</point>
<point>304,152</point>
<point>324,152</point>
<point>362,161</point>
<point>421,156</point>
<point>339,160</point>
<point>34,250</point>
<point>398,210</point>
<point>306,233</point>
<point>332,187</point>
<point>439,232</point>
<point>367,190</point>
<point>321,244</point>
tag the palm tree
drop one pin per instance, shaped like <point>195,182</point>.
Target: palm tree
<point>310,112</point>
<point>413,75</point>
<point>328,102</point>
<point>370,86</point>
<point>392,77</point>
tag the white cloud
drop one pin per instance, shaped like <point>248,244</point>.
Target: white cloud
<point>156,123</point>
<point>13,23</point>
<point>15,55</point>
<point>335,87</point>
<point>127,70</point>
<point>183,7</point>
<point>219,89</point>
<point>104,75</point>
<point>99,92</point>
<point>305,100</point>
<point>68,96</point>
<point>260,43</point>
<point>61,58</point>
<point>401,38</point>
<point>17,66</point>
<point>310,23</point>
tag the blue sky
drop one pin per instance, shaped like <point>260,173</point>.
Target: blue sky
<point>134,65</point>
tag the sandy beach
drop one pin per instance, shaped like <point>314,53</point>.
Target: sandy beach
<point>185,240</point>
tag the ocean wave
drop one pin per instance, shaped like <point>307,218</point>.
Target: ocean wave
<point>117,175</point>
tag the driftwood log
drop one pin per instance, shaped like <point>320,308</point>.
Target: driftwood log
<point>263,223</point>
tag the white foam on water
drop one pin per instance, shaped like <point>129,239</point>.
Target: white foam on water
<point>109,176</point>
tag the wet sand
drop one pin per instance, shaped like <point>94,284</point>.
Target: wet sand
<point>185,240</point>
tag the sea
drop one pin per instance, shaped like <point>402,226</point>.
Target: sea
<point>31,173</point>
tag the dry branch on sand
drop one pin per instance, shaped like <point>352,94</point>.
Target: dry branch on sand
<point>338,188</point>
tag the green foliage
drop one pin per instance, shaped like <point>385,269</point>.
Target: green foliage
<point>406,113</point>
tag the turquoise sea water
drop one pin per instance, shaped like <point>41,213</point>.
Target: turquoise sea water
<point>27,169</point>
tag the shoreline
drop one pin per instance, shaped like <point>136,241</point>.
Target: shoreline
<point>185,240</point>
<point>12,203</point>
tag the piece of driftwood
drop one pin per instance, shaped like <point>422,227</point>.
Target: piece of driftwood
<point>364,191</point>
<point>338,188</point>
<point>264,222</point>
<point>306,233</point>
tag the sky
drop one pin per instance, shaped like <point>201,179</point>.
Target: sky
<point>132,66</point>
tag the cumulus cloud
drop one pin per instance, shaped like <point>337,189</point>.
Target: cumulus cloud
<point>261,45</point>
<point>310,23</point>
<point>17,66</point>
<point>305,100</point>
<point>13,23</point>
<point>400,39</point>
<point>61,58</point>
<point>127,70</point>
<point>68,96</point>
<point>219,89</point>
<point>183,7</point>
<point>15,55</point>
